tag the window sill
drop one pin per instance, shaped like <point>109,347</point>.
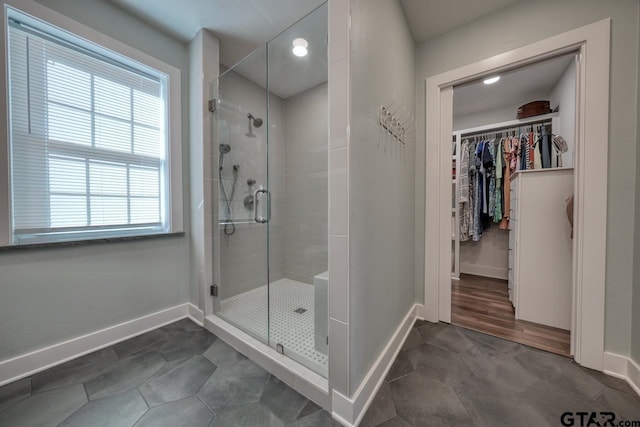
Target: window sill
<point>29,246</point>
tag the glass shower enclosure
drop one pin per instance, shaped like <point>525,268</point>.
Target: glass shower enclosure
<point>270,193</point>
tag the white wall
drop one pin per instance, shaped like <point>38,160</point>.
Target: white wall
<point>203,68</point>
<point>563,95</point>
<point>487,257</point>
<point>306,168</point>
<point>381,223</point>
<point>502,31</point>
<point>497,115</point>
<point>51,295</point>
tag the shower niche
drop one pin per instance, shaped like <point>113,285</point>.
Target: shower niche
<point>270,193</point>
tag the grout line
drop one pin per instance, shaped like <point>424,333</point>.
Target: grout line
<point>142,394</point>
<point>205,405</point>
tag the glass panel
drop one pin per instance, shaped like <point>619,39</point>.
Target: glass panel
<point>270,192</point>
<point>298,184</point>
<point>239,152</point>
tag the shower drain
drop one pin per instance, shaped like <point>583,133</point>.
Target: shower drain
<point>300,310</point>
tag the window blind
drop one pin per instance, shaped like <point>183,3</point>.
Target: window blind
<point>88,142</point>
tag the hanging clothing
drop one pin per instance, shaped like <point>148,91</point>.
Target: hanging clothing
<point>537,159</point>
<point>464,206</point>
<point>545,147</point>
<point>492,179</point>
<point>497,209</point>
<point>486,167</point>
<point>478,193</point>
<point>510,147</point>
<point>473,182</point>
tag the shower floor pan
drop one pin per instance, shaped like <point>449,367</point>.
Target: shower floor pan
<point>292,329</point>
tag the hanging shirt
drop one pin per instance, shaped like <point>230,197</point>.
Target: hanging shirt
<point>464,206</point>
<point>545,148</point>
<point>497,209</point>
<point>492,178</point>
<point>537,159</point>
<point>477,203</point>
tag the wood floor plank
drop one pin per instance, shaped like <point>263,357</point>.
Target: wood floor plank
<point>482,304</point>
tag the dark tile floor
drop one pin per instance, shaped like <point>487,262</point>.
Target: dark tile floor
<point>182,375</point>
<point>178,375</point>
<point>449,376</point>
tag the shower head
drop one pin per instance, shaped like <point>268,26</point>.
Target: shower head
<point>224,149</point>
<point>257,122</point>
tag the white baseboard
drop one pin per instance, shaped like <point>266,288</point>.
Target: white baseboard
<point>485,271</point>
<point>195,314</point>
<point>350,411</point>
<point>623,367</point>
<point>28,364</point>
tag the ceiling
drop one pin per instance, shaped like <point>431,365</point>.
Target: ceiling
<point>240,25</point>
<point>244,25</point>
<point>289,74</point>
<point>429,18</point>
<point>514,88</point>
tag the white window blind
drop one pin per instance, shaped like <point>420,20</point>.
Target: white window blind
<point>87,140</point>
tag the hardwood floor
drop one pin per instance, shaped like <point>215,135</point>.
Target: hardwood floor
<point>482,304</point>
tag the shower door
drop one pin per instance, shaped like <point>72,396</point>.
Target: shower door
<point>270,186</point>
<point>298,182</point>
<point>241,202</point>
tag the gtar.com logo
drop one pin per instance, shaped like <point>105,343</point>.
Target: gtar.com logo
<point>594,419</point>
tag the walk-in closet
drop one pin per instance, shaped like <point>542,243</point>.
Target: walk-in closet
<point>513,149</point>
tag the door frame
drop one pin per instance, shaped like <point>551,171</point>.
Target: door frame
<point>590,215</point>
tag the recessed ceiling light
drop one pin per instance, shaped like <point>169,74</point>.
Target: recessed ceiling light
<point>300,47</point>
<point>491,80</point>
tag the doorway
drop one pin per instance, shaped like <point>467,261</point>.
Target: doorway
<point>513,148</point>
<point>589,243</point>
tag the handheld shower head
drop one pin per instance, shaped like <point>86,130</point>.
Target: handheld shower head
<point>257,121</point>
<point>224,149</point>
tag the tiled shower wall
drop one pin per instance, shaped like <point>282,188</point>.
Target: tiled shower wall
<point>298,183</point>
<point>306,164</point>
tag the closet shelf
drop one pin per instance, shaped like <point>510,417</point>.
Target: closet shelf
<point>516,173</point>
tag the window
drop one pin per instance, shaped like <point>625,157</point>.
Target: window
<point>89,142</point>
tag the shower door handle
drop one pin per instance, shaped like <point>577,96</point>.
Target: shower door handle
<point>257,218</point>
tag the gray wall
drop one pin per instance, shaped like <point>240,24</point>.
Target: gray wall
<point>52,295</point>
<point>306,163</point>
<point>502,31</point>
<point>635,331</point>
<point>381,223</point>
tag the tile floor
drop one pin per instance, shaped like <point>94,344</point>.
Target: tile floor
<point>177,375</point>
<point>182,375</point>
<point>449,376</point>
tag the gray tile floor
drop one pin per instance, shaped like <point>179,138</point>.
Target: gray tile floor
<point>449,376</point>
<point>178,375</point>
<point>182,375</point>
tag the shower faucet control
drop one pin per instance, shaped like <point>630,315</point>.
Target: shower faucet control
<point>248,200</point>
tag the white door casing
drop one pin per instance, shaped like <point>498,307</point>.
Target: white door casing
<point>592,135</point>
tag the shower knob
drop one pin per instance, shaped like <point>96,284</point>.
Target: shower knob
<point>248,202</point>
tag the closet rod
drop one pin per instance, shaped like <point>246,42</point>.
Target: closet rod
<point>506,125</point>
<point>503,128</point>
